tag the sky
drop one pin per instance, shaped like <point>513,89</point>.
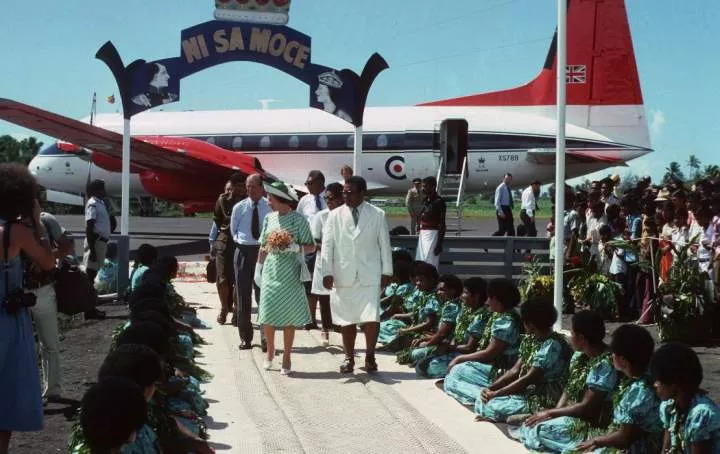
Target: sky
<point>435,50</point>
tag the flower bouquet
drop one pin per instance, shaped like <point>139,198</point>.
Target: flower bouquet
<point>281,241</point>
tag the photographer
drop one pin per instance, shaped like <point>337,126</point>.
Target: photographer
<point>20,397</point>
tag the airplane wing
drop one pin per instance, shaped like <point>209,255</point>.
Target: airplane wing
<point>547,157</point>
<point>144,155</point>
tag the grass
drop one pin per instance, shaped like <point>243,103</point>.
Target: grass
<point>482,209</point>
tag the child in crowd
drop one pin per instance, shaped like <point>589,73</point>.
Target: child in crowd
<point>585,404</point>
<point>469,326</point>
<point>449,289</point>
<point>106,279</point>
<point>690,418</point>
<point>391,302</point>
<point>110,413</point>
<point>147,254</point>
<point>605,251</point>
<point>421,310</point>
<point>536,380</point>
<point>636,426</point>
<point>497,349</point>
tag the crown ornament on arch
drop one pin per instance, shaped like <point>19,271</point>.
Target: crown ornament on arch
<point>331,79</point>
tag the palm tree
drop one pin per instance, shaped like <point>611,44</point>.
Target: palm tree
<point>711,171</point>
<point>694,164</point>
<point>673,172</point>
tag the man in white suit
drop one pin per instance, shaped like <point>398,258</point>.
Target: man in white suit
<point>356,261</point>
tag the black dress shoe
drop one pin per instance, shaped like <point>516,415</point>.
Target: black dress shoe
<point>245,346</point>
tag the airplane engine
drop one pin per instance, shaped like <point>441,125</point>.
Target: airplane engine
<point>111,164</point>
<point>177,189</point>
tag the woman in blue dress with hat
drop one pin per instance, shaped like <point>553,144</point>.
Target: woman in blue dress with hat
<point>20,391</point>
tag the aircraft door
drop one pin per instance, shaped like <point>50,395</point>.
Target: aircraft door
<point>453,144</point>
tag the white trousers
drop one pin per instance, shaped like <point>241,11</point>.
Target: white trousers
<point>427,239</point>
<point>45,314</point>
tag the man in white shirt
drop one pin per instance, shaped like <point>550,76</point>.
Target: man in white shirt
<point>309,206</point>
<point>529,207</point>
<point>503,207</point>
<point>97,229</point>
<point>246,224</point>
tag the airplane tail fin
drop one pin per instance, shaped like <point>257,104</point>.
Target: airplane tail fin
<point>601,64</point>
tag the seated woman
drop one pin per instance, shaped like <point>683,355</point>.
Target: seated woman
<point>690,418</point>
<point>394,295</point>
<point>147,254</point>
<point>106,279</point>
<point>497,349</point>
<point>535,382</point>
<point>449,289</point>
<point>636,425</point>
<point>421,311</point>
<point>586,401</point>
<point>110,413</point>
<point>469,327</point>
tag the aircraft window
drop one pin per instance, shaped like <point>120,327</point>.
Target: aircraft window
<point>265,142</point>
<point>322,142</point>
<point>350,143</point>
<point>382,141</point>
<point>294,142</point>
<point>237,143</point>
<point>50,150</point>
<point>210,140</point>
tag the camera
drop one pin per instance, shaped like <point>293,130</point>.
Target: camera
<point>17,300</point>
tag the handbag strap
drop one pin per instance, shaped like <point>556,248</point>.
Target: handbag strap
<point>6,246</point>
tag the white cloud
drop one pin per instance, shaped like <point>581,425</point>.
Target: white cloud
<point>657,121</point>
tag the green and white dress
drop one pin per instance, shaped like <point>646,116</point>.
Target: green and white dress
<point>282,294</point>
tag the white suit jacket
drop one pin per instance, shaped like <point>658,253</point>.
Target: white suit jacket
<point>362,251</point>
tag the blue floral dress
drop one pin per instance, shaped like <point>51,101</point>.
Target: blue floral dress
<point>564,433</point>
<point>638,405</point>
<point>449,315</point>
<point>465,380</point>
<point>702,424</point>
<point>421,305</point>
<point>20,392</point>
<point>467,324</point>
<point>552,356</point>
<point>145,442</point>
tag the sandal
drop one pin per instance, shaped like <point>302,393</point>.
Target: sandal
<point>370,364</point>
<point>347,366</point>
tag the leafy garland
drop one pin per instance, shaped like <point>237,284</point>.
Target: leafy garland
<point>677,437</point>
<point>578,372</point>
<point>487,333</point>
<point>537,396</point>
<point>465,319</point>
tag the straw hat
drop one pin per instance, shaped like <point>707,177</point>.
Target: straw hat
<point>280,190</point>
<point>615,179</point>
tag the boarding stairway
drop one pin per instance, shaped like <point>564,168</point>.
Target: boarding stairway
<point>451,188</point>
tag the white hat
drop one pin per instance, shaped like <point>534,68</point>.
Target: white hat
<point>280,190</point>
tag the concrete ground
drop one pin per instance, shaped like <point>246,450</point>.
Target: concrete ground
<point>317,409</point>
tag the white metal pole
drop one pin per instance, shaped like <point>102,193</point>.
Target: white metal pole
<point>560,158</point>
<point>124,244</point>
<point>357,151</point>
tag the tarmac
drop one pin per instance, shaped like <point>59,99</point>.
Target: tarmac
<point>317,409</point>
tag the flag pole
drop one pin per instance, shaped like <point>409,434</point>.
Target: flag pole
<point>560,159</point>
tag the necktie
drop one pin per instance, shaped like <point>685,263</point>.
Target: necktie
<point>509,195</point>
<point>356,215</point>
<point>318,202</point>
<point>255,226</point>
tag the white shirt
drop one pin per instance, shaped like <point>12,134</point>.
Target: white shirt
<point>307,205</point>
<point>95,210</point>
<point>528,201</point>
<point>241,220</point>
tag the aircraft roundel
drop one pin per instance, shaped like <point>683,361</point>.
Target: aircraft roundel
<point>395,167</point>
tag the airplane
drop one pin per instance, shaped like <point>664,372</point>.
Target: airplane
<point>186,157</point>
